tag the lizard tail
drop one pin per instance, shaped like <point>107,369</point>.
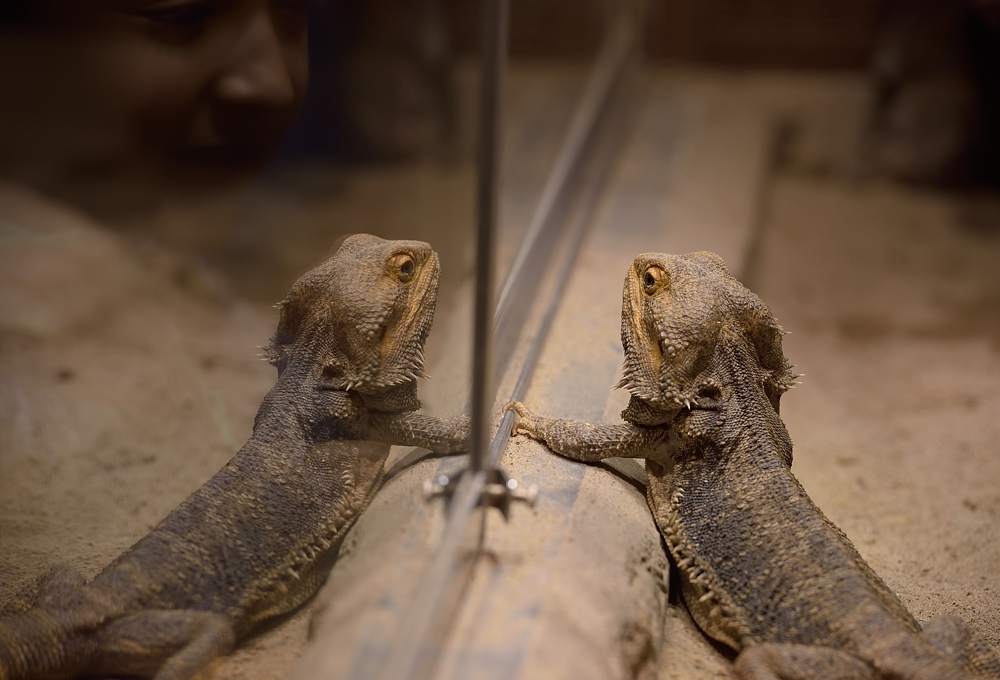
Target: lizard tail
<point>37,645</point>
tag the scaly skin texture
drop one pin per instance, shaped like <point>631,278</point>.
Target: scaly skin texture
<point>762,569</point>
<point>258,539</point>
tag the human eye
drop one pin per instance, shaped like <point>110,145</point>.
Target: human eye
<point>293,13</point>
<point>297,6</point>
<point>177,13</point>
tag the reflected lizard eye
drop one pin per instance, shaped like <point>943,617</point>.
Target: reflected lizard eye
<point>652,279</point>
<point>403,267</point>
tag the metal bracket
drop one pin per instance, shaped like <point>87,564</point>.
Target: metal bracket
<point>498,491</point>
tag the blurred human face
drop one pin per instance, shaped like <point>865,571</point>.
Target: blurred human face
<point>117,103</point>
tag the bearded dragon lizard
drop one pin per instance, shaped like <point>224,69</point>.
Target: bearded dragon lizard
<point>259,537</point>
<point>762,570</point>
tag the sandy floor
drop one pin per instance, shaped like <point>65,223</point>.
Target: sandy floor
<point>892,296</point>
<point>893,299</point>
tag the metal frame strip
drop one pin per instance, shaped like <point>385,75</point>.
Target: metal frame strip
<point>415,651</point>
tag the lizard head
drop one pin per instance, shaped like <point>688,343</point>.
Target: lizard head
<point>676,310</point>
<point>360,319</point>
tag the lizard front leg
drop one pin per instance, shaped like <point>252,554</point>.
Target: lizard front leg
<point>588,442</point>
<point>440,435</point>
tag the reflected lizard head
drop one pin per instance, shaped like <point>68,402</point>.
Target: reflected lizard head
<point>360,319</point>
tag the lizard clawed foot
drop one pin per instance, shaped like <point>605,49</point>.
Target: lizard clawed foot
<point>524,422</point>
<point>516,406</point>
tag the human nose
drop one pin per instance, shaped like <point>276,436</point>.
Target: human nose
<point>258,71</point>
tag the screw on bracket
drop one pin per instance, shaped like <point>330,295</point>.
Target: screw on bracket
<point>498,491</point>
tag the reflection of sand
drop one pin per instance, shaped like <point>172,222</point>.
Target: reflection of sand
<point>129,375</point>
<point>125,385</point>
<point>893,300</point>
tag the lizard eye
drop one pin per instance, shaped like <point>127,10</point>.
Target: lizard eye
<point>652,279</point>
<point>403,267</point>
